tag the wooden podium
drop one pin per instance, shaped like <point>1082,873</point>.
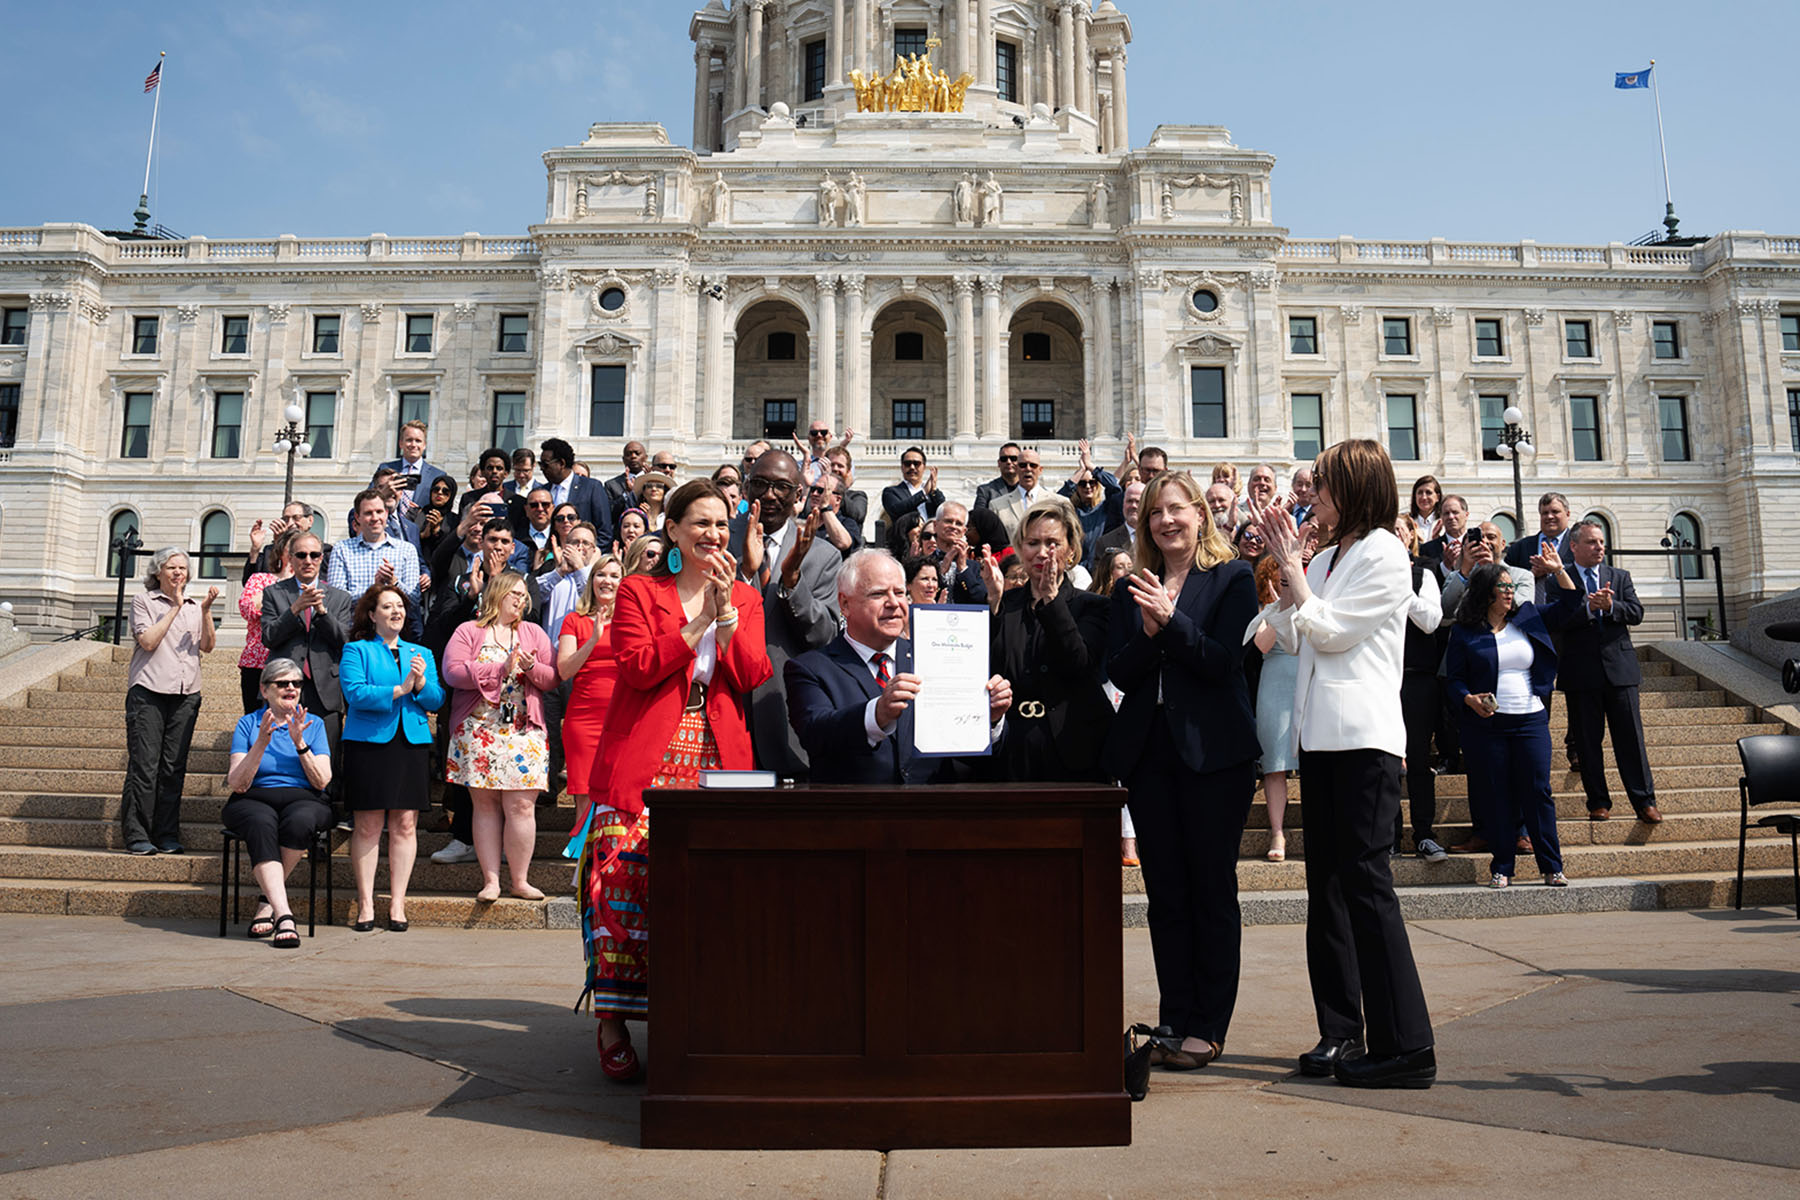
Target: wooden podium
<point>884,968</point>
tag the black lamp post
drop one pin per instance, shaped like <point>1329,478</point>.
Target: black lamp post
<point>1673,539</point>
<point>290,440</point>
<point>1515,443</point>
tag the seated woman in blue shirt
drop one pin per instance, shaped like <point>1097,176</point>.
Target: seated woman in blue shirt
<point>280,765</point>
<point>1498,671</point>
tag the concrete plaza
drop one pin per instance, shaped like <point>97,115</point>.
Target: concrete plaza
<point>1628,1054</point>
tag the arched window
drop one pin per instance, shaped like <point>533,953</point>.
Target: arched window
<point>215,539</point>
<point>1599,518</point>
<point>1688,566</point>
<point>123,523</point>
<point>1509,528</point>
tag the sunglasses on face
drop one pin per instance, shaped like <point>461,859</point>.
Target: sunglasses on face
<point>306,555</point>
<point>818,433</point>
<point>1006,458</point>
<point>567,517</point>
<point>537,504</point>
<point>285,683</point>
<point>910,463</point>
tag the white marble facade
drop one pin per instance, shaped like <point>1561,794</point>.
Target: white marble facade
<point>956,279</point>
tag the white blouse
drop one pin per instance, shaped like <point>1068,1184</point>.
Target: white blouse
<point>706,655</point>
<point>1513,691</point>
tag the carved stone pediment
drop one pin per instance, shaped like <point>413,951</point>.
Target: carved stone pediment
<point>609,343</point>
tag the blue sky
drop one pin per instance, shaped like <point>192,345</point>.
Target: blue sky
<point>1403,120</point>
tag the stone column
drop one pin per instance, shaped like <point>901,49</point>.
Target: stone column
<point>1065,55</point>
<point>859,36</point>
<point>965,38</point>
<point>1162,396</point>
<point>1046,66</point>
<point>964,425</point>
<point>996,406</point>
<point>1121,135</point>
<point>702,98</point>
<point>737,90</point>
<point>1084,62</point>
<point>1100,405</point>
<point>715,401</point>
<point>824,353</point>
<point>856,387</point>
<point>984,43</point>
<point>834,46</point>
<point>753,69</point>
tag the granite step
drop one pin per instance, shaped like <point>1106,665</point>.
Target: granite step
<point>1571,805</point>
<point>215,715</point>
<point>200,902</point>
<point>110,736</point>
<point>100,830</point>
<point>66,779</point>
<point>212,682</point>
<point>100,758</point>
<point>553,875</point>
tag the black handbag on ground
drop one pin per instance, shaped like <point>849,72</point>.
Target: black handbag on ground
<point>1139,1056</point>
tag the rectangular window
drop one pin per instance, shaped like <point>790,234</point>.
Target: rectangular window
<point>1303,335</point>
<point>1309,425</point>
<point>509,420</point>
<point>1584,427</point>
<point>1209,401</point>
<point>1006,71</point>
<point>1578,339</point>
<point>515,333</point>
<point>418,333</point>
<point>779,419</point>
<point>1672,410</point>
<point>234,335</point>
<point>135,443</point>
<point>1665,339</point>
<point>321,422</point>
<point>1403,427</point>
<point>143,335</point>
<point>1790,332</point>
<point>908,42</point>
<point>325,333</point>
<point>1492,423</point>
<point>12,326</point>
<point>415,406</point>
<point>783,346</point>
<point>1396,335</point>
<point>1037,418</point>
<point>909,346</point>
<point>815,69</point>
<point>1035,347</point>
<point>606,415</point>
<point>909,420</point>
<point>1793,414</point>
<point>9,414</point>
<point>228,423</point>
<point>1487,338</point>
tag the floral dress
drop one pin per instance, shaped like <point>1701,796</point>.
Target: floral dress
<point>487,751</point>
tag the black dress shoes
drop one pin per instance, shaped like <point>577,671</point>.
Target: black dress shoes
<point>1328,1053</point>
<point>1414,1069</point>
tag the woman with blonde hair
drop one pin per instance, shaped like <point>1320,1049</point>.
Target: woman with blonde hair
<point>500,665</point>
<point>1184,744</point>
<point>644,554</point>
<point>584,655</point>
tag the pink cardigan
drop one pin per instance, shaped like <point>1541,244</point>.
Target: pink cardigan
<point>475,681</point>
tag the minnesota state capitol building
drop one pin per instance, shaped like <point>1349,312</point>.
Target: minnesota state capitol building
<point>952,252</point>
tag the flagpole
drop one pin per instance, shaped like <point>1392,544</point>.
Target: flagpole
<point>142,215</point>
<point>1670,221</point>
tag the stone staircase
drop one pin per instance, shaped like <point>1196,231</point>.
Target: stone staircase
<point>62,762</point>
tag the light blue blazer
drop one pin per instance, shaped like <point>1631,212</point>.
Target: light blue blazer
<point>368,676</point>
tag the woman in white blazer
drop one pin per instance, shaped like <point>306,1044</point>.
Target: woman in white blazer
<point>1344,617</point>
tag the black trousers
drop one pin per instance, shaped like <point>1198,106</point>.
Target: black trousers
<point>1420,706</point>
<point>159,727</point>
<point>556,701</point>
<point>275,818</point>
<point>250,684</point>
<point>1357,954</point>
<point>1593,713</point>
<point>1512,753</point>
<point>1189,827</point>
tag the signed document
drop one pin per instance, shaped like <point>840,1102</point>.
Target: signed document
<point>950,657</point>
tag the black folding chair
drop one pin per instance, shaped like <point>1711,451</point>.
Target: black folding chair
<point>231,859</point>
<point>1771,776</point>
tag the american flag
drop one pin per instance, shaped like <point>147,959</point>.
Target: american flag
<point>154,77</point>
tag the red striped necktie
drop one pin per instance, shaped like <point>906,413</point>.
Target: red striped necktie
<point>882,675</point>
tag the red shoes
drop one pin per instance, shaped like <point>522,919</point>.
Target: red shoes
<point>619,1062</point>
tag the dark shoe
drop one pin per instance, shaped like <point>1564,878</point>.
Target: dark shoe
<point>263,926</point>
<point>1191,1060</point>
<point>1328,1053</point>
<point>1524,844</point>
<point>1599,814</point>
<point>362,927</point>
<point>1574,763</point>
<point>140,848</point>
<point>1472,845</point>
<point>397,926</point>
<point>1415,1069</point>
<point>176,847</point>
<point>287,934</point>
<point>1650,815</point>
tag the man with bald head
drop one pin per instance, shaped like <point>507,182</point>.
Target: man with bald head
<point>1124,536</point>
<point>850,702</point>
<point>620,488</point>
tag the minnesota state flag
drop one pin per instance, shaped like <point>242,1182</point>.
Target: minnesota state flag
<point>1632,79</point>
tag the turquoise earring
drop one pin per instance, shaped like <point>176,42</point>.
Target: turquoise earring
<point>673,558</point>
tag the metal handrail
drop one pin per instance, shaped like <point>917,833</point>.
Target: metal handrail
<point>1701,552</point>
<point>129,549</point>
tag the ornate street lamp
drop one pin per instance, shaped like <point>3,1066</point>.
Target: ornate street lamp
<point>1674,539</point>
<point>290,440</point>
<point>1515,443</point>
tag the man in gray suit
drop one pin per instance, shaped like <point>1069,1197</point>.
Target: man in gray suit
<point>307,620</point>
<point>1482,543</point>
<point>796,571</point>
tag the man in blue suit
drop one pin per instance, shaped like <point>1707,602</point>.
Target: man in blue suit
<point>557,458</point>
<point>850,701</point>
<point>415,474</point>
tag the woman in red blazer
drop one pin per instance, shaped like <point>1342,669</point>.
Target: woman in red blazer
<point>690,647</point>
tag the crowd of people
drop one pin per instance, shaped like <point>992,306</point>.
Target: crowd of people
<point>1183,639</point>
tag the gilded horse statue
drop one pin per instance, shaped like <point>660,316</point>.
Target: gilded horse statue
<point>914,86</point>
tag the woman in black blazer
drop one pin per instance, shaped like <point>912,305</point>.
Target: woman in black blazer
<point>1049,639</point>
<point>1184,743</point>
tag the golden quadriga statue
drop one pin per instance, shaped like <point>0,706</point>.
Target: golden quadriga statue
<point>914,86</point>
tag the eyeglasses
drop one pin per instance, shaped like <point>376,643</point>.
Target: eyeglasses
<point>912,462</point>
<point>538,504</point>
<point>1506,587</point>
<point>285,683</point>
<point>1006,458</point>
<point>928,537</point>
<point>818,433</point>
<point>306,555</point>
<point>568,516</point>
<point>761,484</point>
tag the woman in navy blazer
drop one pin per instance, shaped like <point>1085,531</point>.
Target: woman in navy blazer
<point>389,685</point>
<point>1184,743</point>
<point>1499,670</point>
